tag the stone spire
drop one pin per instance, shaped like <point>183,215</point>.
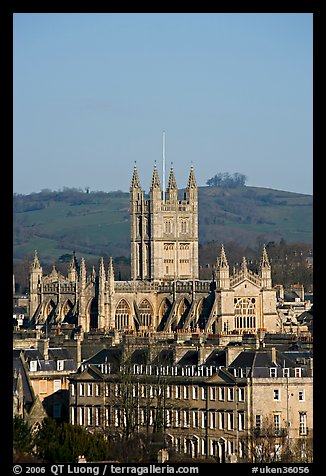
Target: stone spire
<point>172,190</point>
<point>110,269</point>
<point>35,280</point>
<point>36,262</point>
<point>172,184</point>
<point>191,179</point>
<point>102,269</point>
<point>265,270</point>
<point>223,260</point>
<point>83,272</point>
<point>155,180</point>
<point>264,261</point>
<point>73,268</point>
<point>101,294</point>
<point>83,301</point>
<point>135,182</point>
<point>244,266</point>
<point>110,282</point>
<point>222,272</point>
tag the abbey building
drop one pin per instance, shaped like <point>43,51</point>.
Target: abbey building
<point>164,293</point>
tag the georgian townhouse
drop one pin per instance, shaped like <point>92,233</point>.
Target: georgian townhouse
<point>279,392</point>
<point>200,408</point>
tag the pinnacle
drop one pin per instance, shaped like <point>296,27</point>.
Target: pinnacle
<point>135,182</point>
<point>155,180</point>
<point>191,179</point>
<point>172,182</point>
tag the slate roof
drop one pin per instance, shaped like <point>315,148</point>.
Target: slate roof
<point>59,353</point>
<point>139,356</point>
<point>217,358</point>
<point>291,295</point>
<point>106,356</point>
<point>55,354</point>
<point>189,358</point>
<point>20,310</point>
<point>164,357</point>
<point>258,363</point>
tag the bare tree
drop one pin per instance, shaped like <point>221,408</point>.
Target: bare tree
<point>270,444</point>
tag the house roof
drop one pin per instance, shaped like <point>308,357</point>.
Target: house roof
<point>189,358</point>
<point>257,362</point>
<point>106,356</point>
<point>50,364</point>
<point>164,357</point>
<point>217,358</point>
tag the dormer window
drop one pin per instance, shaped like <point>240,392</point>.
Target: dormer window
<point>273,372</point>
<point>286,372</point>
<point>60,364</point>
<point>33,365</point>
<point>297,372</point>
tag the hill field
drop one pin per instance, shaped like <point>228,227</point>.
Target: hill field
<point>97,223</point>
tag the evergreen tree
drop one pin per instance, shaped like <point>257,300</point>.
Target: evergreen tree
<point>22,436</point>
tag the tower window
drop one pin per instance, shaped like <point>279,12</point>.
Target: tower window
<point>168,226</point>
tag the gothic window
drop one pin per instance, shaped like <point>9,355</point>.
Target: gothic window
<point>138,260</point>
<point>146,313</point>
<point>245,313</point>
<point>122,314</point>
<point>168,228</point>
<point>146,226</point>
<point>184,226</point>
<point>169,259</point>
<point>147,261</point>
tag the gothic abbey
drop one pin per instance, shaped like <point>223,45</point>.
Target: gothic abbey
<point>165,292</point>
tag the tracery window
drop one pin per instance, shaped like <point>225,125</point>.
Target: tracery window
<point>245,312</point>
<point>122,314</point>
<point>146,313</point>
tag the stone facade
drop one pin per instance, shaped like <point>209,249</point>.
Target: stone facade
<point>208,401</point>
<point>164,293</point>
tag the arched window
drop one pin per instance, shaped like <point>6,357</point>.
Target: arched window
<point>122,314</point>
<point>146,313</point>
<point>245,313</point>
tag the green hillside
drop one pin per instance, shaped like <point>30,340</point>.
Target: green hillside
<point>97,223</point>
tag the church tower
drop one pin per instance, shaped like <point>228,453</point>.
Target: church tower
<point>164,230</point>
<point>139,228</point>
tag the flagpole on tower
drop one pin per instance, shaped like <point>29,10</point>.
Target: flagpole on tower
<point>163,164</point>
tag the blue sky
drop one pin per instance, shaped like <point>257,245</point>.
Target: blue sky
<point>94,92</point>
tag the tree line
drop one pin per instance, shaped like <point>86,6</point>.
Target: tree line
<point>224,179</point>
<point>289,262</point>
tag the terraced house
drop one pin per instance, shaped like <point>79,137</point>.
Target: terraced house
<point>207,402</point>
